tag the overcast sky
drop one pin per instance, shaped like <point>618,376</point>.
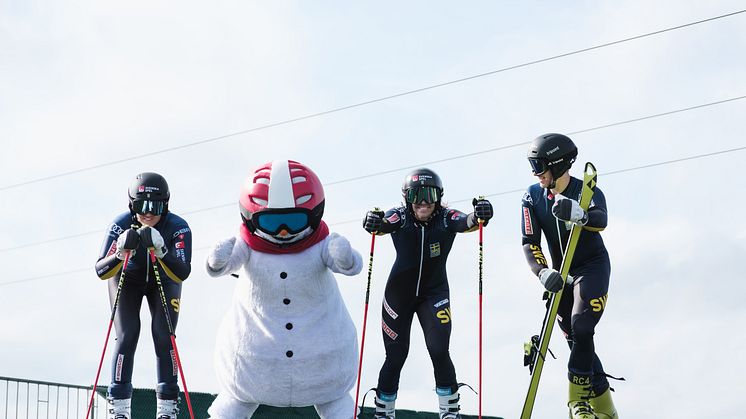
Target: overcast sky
<point>87,83</point>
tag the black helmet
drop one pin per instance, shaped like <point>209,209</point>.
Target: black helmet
<point>422,185</point>
<point>553,152</point>
<point>149,193</point>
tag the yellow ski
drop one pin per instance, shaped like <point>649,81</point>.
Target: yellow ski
<point>589,185</point>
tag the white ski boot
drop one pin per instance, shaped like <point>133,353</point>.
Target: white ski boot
<point>119,408</point>
<point>167,409</point>
<point>385,406</point>
<point>449,407</point>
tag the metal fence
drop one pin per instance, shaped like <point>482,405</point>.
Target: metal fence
<point>28,399</point>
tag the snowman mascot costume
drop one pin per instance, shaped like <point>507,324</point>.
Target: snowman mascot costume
<point>287,338</point>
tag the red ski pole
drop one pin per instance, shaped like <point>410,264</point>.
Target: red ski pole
<point>157,272</point>
<point>108,330</point>
<point>365,320</point>
<point>481,254</point>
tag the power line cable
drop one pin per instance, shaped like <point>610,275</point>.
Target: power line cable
<point>457,157</point>
<point>506,192</point>
<point>370,101</point>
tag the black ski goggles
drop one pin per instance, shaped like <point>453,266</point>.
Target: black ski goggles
<point>271,222</point>
<point>144,206</point>
<point>538,166</point>
<point>427,194</point>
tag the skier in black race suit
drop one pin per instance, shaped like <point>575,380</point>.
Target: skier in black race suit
<point>422,231</point>
<point>147,224</point>
<point>551,207</point>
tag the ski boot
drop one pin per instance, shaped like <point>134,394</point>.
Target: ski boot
<point>603,406</point>
<point>577,401</point>
<point>119,408</point>
<point>385,405</point>
<point>448,399</point>
<point>167,409</point>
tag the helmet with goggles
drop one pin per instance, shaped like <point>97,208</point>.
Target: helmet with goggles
<point>553,152</point>
<point>149,193</point>
<point>422,185</point>
<point>282,198</point>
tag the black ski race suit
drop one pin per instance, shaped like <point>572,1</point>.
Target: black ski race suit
<point>418,284</point>
<point>584,301</point>
<point>139,282</point>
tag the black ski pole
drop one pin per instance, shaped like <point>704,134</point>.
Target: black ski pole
<point>108,330</point>
<point>481,259</point>
<point>157,272</point>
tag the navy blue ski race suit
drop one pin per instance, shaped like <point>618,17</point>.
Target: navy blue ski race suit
<point>584,301</point>
<point>418,284</point>
<point>139,282</point>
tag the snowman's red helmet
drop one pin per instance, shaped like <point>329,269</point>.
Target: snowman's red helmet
<point>283,199</point>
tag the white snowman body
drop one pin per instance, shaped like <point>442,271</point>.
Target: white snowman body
<point>287,338</point>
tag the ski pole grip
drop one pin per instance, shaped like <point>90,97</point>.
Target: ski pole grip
<point>479,220</point>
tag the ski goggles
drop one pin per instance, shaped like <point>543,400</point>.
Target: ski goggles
<point>293,221</point>
<point>428,194</point>
<point>144,206</point>
<point>538,166</point>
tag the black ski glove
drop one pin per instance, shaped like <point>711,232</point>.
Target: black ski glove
<point>127,242</point>
<point>482,209</point>
<point>150,237</point>
<point>373,221</point>
<point>569,210</point>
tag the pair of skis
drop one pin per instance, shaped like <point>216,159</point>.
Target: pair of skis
<point>538,346</point>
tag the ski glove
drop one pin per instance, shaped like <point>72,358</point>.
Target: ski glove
<point>482,209</point>
<point>221,254</point>
<point>551,279</point>
<point>373,221</point>
<point>569,210</point>
<point>127,242</point>
<point>150,237</point>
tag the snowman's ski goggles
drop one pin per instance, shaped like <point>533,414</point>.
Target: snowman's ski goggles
<point>271,222</point>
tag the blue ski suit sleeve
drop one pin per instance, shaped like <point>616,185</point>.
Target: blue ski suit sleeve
<point>177,236</point>
<point>459,222</point>
<point>597,215</point>
<point>393,220</point>
<point>108,264</point>
<point>531,235</point>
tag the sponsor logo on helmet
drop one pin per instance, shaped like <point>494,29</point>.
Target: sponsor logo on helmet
<point>421,178</point>
<point>141,188</point>
<point>552,151</point>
